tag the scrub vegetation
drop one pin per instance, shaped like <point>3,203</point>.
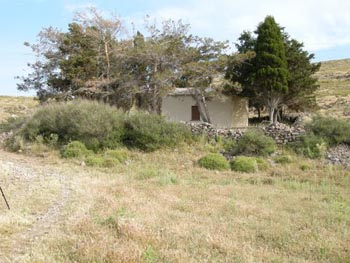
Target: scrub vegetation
<point>130,205</point>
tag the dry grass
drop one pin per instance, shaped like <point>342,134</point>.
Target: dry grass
<point>333,97</point>
<point>15,106</point>
<point>163,208</point>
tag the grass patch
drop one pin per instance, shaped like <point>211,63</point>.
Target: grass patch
<point>244,164</point>
<point>214,161</point>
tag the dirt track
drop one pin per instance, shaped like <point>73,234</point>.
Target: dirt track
<point>21,174</point>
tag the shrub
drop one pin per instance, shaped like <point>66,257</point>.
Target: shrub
<point>75,149</point>
<point>310,146</point>
<point>304,167</point>
<point>95,124</point>
<point>101,161</point>
<point>283,159</point>
<point>150,132</point>
<point>15,143</point>
<point>120,154</point>
<point>332,130</point>
<point>214,161</point>
<point>244,164</point>
<point>95,161</point>
<point>229,144</point>
<point>110,162</point>
<point>255,143</point>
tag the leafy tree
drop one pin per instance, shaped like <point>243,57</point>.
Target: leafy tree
<point>301,81</point>
<point>240,72</point>
<point>94,60</point>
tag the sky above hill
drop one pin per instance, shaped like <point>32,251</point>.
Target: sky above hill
<point>323,25</point>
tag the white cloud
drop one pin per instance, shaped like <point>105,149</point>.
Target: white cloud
<point>320,24</point>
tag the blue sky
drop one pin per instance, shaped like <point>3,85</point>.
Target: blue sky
<point>323,25</point>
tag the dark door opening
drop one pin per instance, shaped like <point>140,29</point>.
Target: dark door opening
<point>195,115</point>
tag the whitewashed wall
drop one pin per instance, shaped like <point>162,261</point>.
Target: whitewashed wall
<point>227,112</point>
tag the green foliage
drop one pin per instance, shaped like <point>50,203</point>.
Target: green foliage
<point>269,61</point>
<point>120,154</point>
<point>214,161</point>
<point>229,144</point>
<point>150,132</point>
<point>101,161</point>
<point>333,131</point>
<point>283,159</point>
<point>310,146</point>
<point>302,83</point>
<point>150,255</point>
<point>244,164</point>
<point>95,124</point>
<point>255,143</point>
<point>262,163</point>
<point>304,167</point>
<point>75,149</point>
<point>95,58</point>
<point>271,73</point>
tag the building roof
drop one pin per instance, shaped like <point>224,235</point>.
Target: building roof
<point>187,91</point>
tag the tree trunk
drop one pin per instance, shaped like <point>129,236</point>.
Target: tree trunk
<point>154,101</point>
<point>107,59</point>
<point>271,114</point>
<point>272,103</point>
<point>202,106</point>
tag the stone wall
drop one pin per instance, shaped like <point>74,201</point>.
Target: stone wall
<point>280,132</point>
<point>283,133</point>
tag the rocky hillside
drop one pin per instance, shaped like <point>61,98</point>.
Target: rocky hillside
<point>333,97</point>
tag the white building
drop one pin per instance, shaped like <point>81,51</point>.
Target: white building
<point>225,111</point>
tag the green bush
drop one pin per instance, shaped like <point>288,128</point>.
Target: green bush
<point>244,164</point>
<point>75,149</point>
<point>95,161</point>
<point>97,125</point>
<point>310,146</point>
<point>304,167</point>
<point>229,144</point>
<point>214,161</point>
<point>110,162</point>
<point>101,161</point>
<point>255,143</point>
<point>150,132</point>
<point>120,154</point>
<point>332,130</point>
<point>283,159</point>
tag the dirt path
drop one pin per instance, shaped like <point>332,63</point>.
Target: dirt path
<point>26,172</point>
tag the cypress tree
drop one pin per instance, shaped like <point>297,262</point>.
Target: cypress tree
<point>271,74</point>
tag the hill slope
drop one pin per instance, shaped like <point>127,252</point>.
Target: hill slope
<point>333,97</point>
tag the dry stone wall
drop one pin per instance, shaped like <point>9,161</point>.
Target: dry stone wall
<point>280,132</point>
